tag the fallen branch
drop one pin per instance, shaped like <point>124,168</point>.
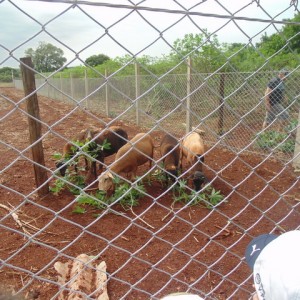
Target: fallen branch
<point>292,196</point>
<point>15,217</point>
<point>222,235</point>
<point>141,219</point>
<point>171,211</point>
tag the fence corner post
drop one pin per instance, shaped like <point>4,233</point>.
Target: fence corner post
<point>34,126</point>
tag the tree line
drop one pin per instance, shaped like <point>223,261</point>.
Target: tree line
<point>273,52</point>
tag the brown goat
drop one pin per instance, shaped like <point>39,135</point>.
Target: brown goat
<point>136,152</point>
<point>192,149</point>
<point>170,151</point>
<point>116,137</point>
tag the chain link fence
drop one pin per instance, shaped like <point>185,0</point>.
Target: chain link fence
<point>75,243</point>
<point>236,109</point>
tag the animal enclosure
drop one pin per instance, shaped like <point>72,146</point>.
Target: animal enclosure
<point>169,239</point>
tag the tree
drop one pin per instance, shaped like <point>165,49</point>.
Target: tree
<point>96,60</point>
<point>46,57</point>
<point>285,40</point>
<point>291,33</point>
<point>6,74</point>
<point>242,57</point>
<point>203,48</point>
<point>271,44</point>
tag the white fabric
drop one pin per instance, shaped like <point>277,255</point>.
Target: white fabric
<point>277,269</point>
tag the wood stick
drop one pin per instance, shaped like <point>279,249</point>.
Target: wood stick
<point>141,219</point>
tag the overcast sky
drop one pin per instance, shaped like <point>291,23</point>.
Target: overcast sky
<point>86,30</point>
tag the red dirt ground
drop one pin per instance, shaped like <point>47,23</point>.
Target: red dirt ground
<point>150,251</point>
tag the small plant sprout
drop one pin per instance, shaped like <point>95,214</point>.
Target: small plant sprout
<point>212,197</point>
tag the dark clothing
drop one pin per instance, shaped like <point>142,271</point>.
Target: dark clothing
<point>277,94</point>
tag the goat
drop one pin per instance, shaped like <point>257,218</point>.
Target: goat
<point>192,149</point>
<point>136,152</point>
<point>115,136</point>
<point>70,149</point>
<point>169,149</point>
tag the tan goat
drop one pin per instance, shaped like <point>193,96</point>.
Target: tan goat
<point>192,149</point>
<point>169,149</point>
<point>136,152</point>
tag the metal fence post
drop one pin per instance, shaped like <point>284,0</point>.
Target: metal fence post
<point>86,88</point>
<point>61,87</point>
<point>221,107</point>
<point>188,98</point>
<point>137,92</point>
<point>107,106</point>
<point>72,86</point>
<point>296,158</point>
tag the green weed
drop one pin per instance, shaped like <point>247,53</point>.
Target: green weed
<point>71,180</point>
<point>127,194</point>
<point>96,200</point>
<point>210,197</point>
<point>282,141</point>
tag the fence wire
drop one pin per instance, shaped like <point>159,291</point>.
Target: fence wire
<point>171,239</point>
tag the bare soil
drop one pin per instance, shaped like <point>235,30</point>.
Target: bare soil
<point>152,250</point>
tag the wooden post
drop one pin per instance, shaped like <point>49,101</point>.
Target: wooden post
<point>137,93</point>
<point>188,98</point>
<point>34,126</point>
<point>221,107</point>
<point>107,107</point>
